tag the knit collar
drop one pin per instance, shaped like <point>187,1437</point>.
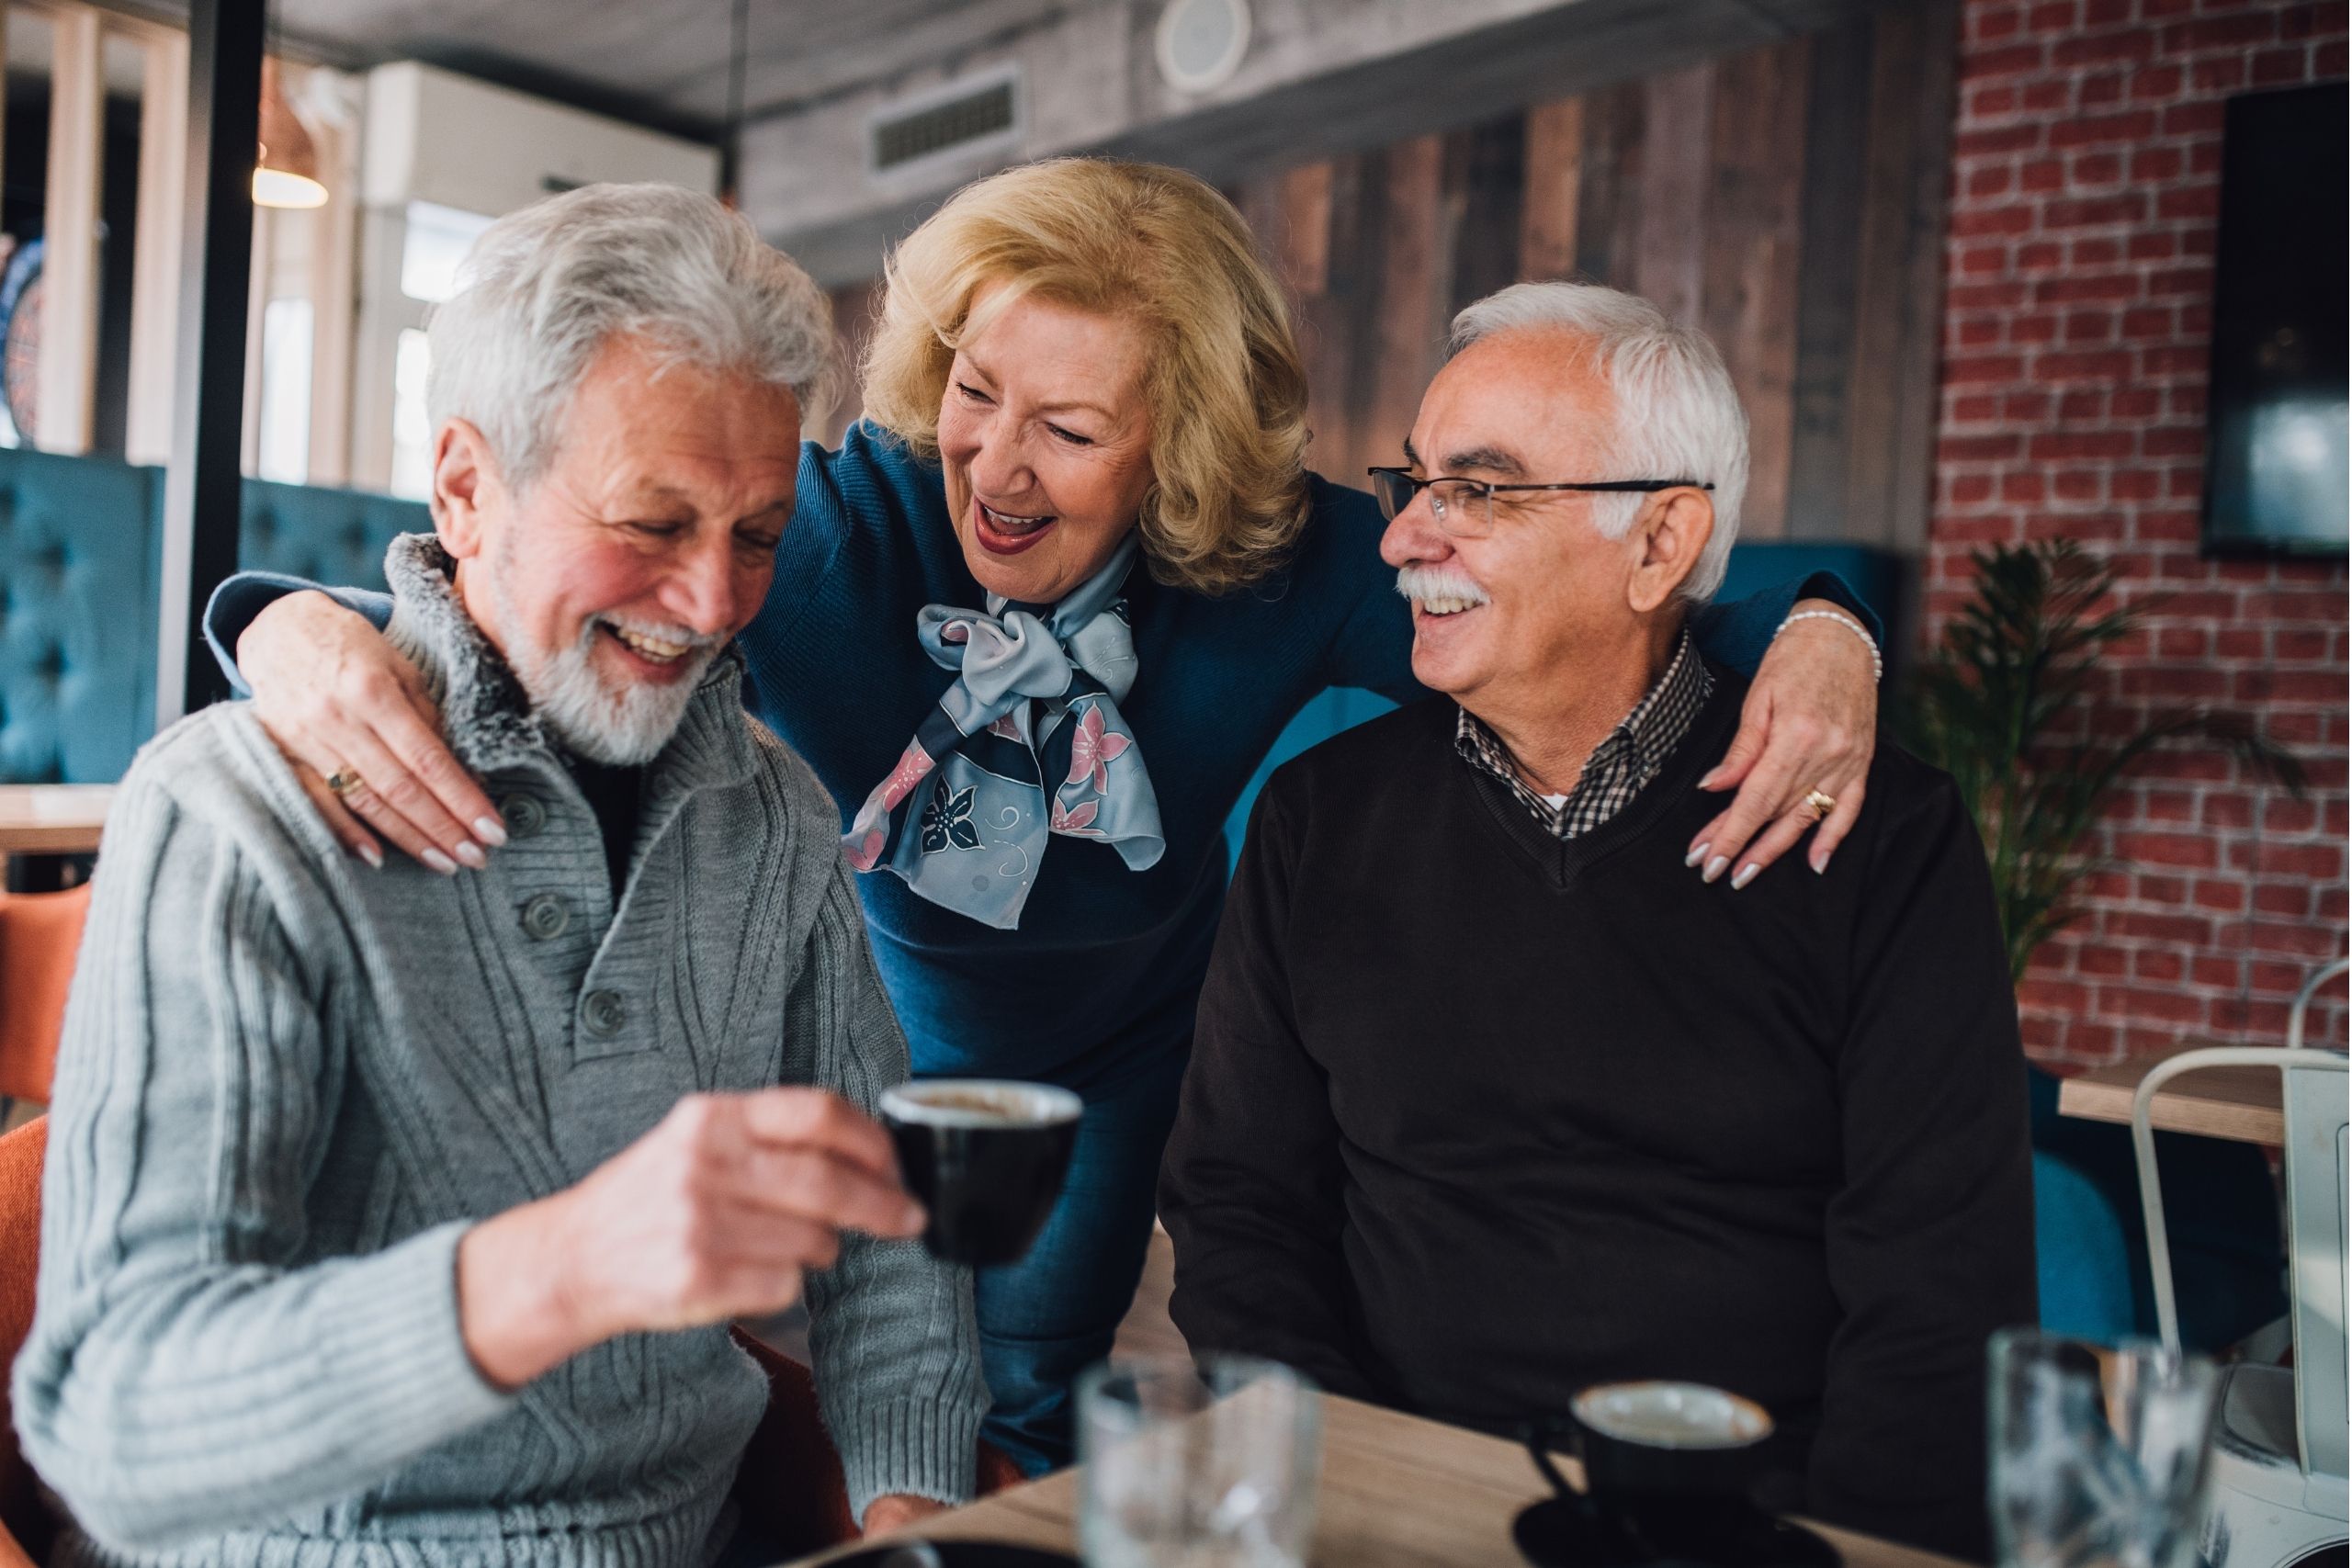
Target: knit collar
<point>1625,762</point>
<point>485,713</point>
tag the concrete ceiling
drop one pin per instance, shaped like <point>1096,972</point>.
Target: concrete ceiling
<point>1320,76</point>
<point>660,63</point>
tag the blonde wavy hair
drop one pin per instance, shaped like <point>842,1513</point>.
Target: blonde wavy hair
<point>1159,247</point>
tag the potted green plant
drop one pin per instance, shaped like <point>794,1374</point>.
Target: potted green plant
<point>2009,703</point>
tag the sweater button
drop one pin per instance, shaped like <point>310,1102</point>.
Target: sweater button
<point>546,917</point>
<point>522,814</point>
<point>604,1012</point>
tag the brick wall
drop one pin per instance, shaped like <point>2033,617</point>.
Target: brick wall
<point>2085,193</point>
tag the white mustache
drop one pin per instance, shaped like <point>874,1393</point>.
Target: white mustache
<point>1422,583</point>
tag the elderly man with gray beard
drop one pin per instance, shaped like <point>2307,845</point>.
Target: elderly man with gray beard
<point>1490,1101</point>
<point>395,1217</point>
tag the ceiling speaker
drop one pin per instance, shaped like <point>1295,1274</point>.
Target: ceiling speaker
<point>1202,42</point>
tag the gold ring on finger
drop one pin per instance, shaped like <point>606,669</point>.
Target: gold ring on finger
<point>1821,805</point>
<point>345,780</point>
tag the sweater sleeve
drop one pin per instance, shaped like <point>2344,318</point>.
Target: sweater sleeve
<point>1930,1235</point>
<point>183,1376</point>
<point>238,600</point>
<point>1250,1191</point>
<point>895,1350</point>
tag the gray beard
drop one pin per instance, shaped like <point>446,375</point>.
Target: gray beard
<point>620,728</point>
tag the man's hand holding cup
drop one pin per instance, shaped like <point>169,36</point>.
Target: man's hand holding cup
<point>714,1214</point>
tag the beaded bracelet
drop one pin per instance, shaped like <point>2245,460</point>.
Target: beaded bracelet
<point>1878,665</point>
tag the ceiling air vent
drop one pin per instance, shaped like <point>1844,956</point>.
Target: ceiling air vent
<point>970,116</point>
<point>1200,42</point>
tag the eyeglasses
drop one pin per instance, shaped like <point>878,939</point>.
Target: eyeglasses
<point>1465,508</point>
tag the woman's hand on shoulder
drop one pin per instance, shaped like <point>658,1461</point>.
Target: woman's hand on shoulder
<point>1810,725</point>
<point>339,700</point>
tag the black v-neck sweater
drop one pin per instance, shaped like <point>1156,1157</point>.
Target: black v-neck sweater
<point>1477,1117</point>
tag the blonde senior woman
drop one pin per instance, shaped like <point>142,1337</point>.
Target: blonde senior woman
<point>1035,624</point>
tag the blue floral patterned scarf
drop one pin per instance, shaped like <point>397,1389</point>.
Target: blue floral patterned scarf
<point>1027,743</point>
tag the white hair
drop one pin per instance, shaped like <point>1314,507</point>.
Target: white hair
<point>1678,417</point>
<point>545,289</point>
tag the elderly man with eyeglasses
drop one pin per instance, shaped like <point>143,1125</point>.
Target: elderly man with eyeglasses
<point>1490,1101</point>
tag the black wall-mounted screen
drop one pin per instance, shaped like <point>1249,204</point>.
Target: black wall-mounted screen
<point>2277,475</point>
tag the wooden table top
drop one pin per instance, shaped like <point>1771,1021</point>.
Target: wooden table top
<point>1398,1492</point>
<point>53,819</point>
<point>2242,1105</point>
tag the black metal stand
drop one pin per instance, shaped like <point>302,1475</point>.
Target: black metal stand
<point>201,487</point>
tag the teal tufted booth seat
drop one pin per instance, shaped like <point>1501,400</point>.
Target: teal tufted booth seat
<point>326,536</point>
<point>81,552</point>
<point>77,616</point>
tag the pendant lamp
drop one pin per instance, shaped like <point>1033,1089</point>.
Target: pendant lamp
<point>730,147</point>
<point>287,171</point>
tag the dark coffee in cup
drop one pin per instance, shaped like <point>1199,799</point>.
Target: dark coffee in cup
<point>1644,1440</point>
<point>986,1157</point>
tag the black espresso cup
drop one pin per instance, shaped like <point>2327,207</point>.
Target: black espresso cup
<point>1646,1443</point>
<point>1670,1469</point>
<point>986,1157</point>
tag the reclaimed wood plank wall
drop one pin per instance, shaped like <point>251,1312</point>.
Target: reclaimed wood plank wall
<point>1788,201</point>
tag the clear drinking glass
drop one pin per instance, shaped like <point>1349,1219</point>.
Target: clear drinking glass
<point>2098,1456</point>
<point>1211,1464</point>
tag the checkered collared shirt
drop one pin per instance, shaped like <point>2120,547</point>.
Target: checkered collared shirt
<point>1628,758</point>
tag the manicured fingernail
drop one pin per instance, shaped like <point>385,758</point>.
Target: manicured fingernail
<point>1698,852</point>
<point>1714,868</point>
<point>1746,875</point>
<point>470,853</point>
<point>440,863</point>
<point>1820,859</point>
<point>372,855</point>
<point>491,832</point>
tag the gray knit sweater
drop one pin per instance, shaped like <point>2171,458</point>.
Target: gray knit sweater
<point>288,1083</point>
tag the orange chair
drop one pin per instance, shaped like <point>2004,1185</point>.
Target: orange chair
<point>25,1526</point>
<point>40,933</point>
<point>790,1486</point>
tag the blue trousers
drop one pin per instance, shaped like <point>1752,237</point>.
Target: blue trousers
<point>1048,1317</point>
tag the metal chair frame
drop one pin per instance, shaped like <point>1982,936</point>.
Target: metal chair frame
<point>2315,1222</point>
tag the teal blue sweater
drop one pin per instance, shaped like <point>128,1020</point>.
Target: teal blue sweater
<point>1099,981</point>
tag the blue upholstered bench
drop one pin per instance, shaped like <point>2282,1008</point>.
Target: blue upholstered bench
<point>81,549</point>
